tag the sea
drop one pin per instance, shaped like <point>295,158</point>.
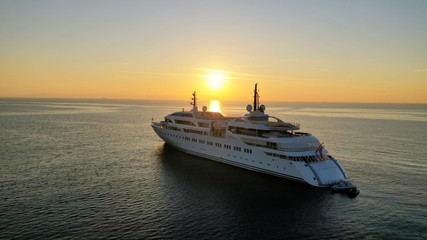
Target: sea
<point>94,169</point>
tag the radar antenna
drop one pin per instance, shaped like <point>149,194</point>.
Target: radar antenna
<point>194,101</point>
<point>256,97</point>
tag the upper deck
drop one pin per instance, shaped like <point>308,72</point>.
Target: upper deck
<point>256,123</point>
<point>205,115</point>
<point>254,128</point>
<point>263,122</point>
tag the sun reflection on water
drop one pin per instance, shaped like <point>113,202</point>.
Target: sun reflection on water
<point>214,106</point>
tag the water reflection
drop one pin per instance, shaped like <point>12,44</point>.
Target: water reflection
<point>237,200</point>
<point>200,171</point>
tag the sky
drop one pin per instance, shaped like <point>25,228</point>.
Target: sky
<point>300,51</point>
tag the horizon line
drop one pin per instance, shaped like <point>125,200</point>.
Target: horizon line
<point>176,100</point>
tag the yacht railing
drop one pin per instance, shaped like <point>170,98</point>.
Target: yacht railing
<point>283,124</point>
<point>299,149</point>
<point>306,159</point>
<point>265,135</point>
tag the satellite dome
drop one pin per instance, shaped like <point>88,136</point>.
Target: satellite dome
<point>249,108</point>
<point>204,108</point>
<point>262,107</point>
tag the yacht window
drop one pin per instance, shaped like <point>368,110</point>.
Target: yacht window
<point>258,118</point>
<point>203,124</point>
<point>184,122</point>
<point>180,114</point>
<point>241,120</point>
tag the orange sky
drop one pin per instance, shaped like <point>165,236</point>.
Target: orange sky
<point>329,51</point>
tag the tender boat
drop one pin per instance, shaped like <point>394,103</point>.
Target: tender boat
<point>346,185</point>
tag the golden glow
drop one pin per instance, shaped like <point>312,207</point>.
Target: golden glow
<point>170,61</point>
<point>214,106</point>
<point>215,79</point>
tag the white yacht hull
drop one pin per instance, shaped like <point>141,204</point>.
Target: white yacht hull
<point>319,174</point>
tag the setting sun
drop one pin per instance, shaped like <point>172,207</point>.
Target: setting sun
<point>216,79</point>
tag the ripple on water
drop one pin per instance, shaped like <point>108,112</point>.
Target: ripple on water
<point>95,173</point>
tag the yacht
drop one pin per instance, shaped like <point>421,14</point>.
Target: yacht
<point>255,141</point>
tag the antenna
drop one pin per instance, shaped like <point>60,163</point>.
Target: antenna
<point>194,98</point>
<point>194,103</point>
<point>255,97</point>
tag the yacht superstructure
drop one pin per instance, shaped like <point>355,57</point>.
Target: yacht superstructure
<point>255,141</point>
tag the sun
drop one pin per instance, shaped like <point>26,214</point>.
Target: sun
<point>216,79</point>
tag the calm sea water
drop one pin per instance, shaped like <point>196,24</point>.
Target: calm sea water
<point>95,169</point>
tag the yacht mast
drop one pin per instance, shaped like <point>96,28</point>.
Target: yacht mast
<point>194,103</point>
<point>256,98</point>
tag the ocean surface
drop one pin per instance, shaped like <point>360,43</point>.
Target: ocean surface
<point>94,169</point>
